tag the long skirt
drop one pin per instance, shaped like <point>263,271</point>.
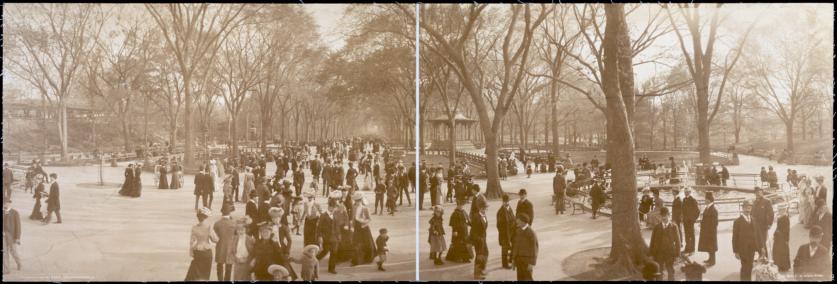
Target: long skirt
<point>364,244</point>
<point>201,266</point>
<point>127,188</point>
<point>459,251</point>
<point>242,270</point>
<point>36,211</point>
<point>438,244</point>
<point>346,249</point>
<point>781,252</point>
<point>309,232</point>
<point>175,181</point>
<point>805,210</point>
<point>164,182</point>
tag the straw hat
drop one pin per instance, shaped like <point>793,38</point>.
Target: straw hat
<point>205,211</point>
<point>357,196</point>
<point>277,270</point>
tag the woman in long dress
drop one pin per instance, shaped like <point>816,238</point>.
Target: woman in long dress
<point>164,182</point>
<point>137,189</point>
<point>249,182</point>
<point>459,222</point>
<point>806,201</point>
<point>363,241</point>
<point>175,176</point>
<point>127,186</point>
<point>36,210</point>
<point>781,248</point>
<point>200,248</point>
<point>242,251</point>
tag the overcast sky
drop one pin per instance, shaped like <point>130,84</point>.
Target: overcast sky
<point>328,18</point>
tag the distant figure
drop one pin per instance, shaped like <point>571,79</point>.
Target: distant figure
<point>8,179</point>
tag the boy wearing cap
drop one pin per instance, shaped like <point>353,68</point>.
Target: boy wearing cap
<point>525,248</point>
<point>479,226</point>
<point>744,242</point>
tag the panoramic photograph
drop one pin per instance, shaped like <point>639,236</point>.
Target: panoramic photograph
<point>606,142</point>
<point>121,124</point>
<point>417,142</point>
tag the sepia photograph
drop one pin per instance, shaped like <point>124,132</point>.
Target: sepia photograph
<point>618,142</point>
<point>122,123</point>
<point>418,142</point>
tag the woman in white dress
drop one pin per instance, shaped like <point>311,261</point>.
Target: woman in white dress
<point>806,200</point>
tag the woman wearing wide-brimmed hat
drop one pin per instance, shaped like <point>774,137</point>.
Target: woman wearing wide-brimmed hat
<point>363,241</point>
<point>200,247</point>
<point>242,250</point>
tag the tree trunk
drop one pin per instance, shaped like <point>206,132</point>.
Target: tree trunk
<point>493,188</point>
<point>451,134</point>
<point>125,132</point>
<point>62,128</point>
<point>234,133</point>
<point>789,135</point>
<point>188,159</point>
<point>627,246</point>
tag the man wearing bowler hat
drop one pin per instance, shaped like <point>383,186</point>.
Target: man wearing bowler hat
<point>525,248</point>
<point>524,206</point>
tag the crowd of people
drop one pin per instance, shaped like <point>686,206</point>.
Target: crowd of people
<point>257,246</point>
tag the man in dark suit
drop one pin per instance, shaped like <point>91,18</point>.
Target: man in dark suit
<point>299,180</point>
<point>813,261</point>
<point>505,230</point>
<point>479,226</point>
<point>329,235</point>
<point>54,200</point>
<point>235,185</point>
<point>11,235</point>
<point>524,206</point>
<point>709,229</point>
<point>744,242</point>
<point>762,219</point>
<point>252,210</point>
<point>677,212</point>
<point>559,186</point>
<point>224,229</point>
<point>665,243</point>
<point>691,212</point>
<point>525,248</point>
<point>478,201</point>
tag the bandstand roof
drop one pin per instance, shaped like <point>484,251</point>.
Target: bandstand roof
<point>459,118</point>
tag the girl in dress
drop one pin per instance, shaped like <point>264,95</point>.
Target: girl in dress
<point>437,235</point>
<point>164,182</point>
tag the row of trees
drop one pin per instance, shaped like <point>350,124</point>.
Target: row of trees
<point>189,62</point>
<point>533,61</point>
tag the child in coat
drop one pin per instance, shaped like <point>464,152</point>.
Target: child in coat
<point>309,262</point>
<point>297,214</point>
<point>381,245</point>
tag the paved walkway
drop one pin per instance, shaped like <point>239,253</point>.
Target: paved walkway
<point>562,236</point>
<point>109,237</point>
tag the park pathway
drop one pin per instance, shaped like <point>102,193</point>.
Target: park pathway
<point>562,236</point>
<point>109,237</point>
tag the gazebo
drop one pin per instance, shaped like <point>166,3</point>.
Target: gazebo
<point>464,130</point>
